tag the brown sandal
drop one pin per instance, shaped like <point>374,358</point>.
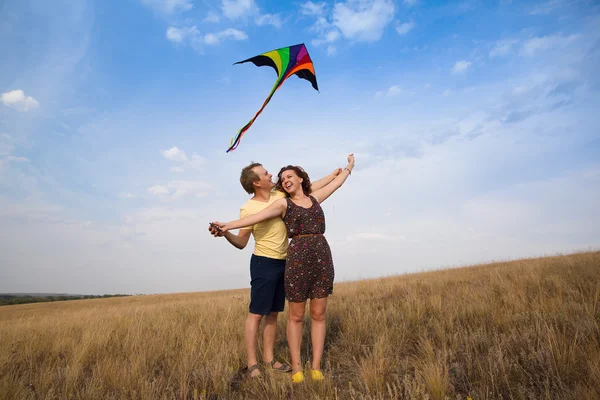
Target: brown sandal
<point>250,370</point>
<point>283,368</point>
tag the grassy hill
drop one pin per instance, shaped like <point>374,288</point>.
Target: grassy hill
<point>524,329</point>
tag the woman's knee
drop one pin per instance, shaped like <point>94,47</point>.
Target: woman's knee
<point>317,313</point>
<point>296,315</point>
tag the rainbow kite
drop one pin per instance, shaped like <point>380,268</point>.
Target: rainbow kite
<point>286,61</point>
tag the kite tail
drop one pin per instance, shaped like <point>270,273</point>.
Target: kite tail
<point>235,141</point>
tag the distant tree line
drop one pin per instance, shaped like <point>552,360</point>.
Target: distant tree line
<point>7,299</point>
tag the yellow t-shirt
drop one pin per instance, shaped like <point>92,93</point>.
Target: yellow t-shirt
<point>270,236</point>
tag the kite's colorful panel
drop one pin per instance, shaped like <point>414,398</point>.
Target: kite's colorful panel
<point>286,61</point>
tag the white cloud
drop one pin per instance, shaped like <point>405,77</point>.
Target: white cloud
<point>211,38</point>
<point>269,19</point>
<point>502,48</point>
<point>126,195</point>
<point>363,20</point>
<point>322,25</point>
<point>175,34</point>
<point>196,39</point>
<point>328,37</point>
<point>392,91</point>
<point>16,99</point>
<point>461,67</point>
<point>168,6</point>
<point>216,38</point>
<point>178,189</point>
<point>212,17</point>
<point>18,159</point>
<point>404,28</point>
<point>196,161</point>
<point>519,90</point>
<point>326,31</point>
<point>158,190</point>
<point>550,6</point>
<point>358,20</point>
<point>538,44</point>
<point>189,34</point>
<point>174,154</point>
<point>184,188</point>
<point>234,9</point>
<point>310,8</point>
<point>239,9</point>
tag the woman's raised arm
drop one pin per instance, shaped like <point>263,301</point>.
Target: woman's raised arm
<point>322,194</point>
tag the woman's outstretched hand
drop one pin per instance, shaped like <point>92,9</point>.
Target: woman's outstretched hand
<point>351,158</point>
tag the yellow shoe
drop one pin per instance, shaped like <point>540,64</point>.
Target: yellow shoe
<point>316,375</point>
<point>298,377</point>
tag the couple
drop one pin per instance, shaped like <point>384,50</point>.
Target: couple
<point>301,271</point>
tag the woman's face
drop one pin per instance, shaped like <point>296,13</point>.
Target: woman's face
<point>290,181</point>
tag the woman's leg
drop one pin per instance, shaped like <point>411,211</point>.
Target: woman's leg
<point>294,333</point>
<point>317,315</point>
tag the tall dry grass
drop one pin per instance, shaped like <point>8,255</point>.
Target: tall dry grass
<point>527,329</point>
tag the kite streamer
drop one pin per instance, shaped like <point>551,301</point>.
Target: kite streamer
<point>286,61</point>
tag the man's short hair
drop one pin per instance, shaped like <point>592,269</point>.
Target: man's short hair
<point>248,177</point>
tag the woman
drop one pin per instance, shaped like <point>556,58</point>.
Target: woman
<point>309,271</point>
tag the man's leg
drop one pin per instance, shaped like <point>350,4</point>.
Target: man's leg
<point>278,304</point>
<point>250,336</point>
<point>259,306</point>
<point>269,335</point>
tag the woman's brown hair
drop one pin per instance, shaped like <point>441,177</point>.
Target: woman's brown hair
<point>300,172</point>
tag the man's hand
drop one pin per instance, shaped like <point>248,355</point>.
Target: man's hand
<point>215,230</point>
<point>220,227</point>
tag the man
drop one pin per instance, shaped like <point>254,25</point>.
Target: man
<point>267,263</point>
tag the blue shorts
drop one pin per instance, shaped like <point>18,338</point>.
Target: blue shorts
<point>267,293</point>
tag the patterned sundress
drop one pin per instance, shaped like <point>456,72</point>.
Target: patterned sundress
<point>309,266</point>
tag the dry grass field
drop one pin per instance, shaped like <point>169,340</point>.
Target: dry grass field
<point>526,329</point>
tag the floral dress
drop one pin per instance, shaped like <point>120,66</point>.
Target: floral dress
<point>309,265</point>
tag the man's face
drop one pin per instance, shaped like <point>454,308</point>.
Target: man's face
<point>264,178</point>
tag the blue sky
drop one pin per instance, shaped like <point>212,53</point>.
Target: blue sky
<point>474,126</point>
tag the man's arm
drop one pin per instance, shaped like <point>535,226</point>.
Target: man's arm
<point>325,180</point>
<point>238,241</point>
